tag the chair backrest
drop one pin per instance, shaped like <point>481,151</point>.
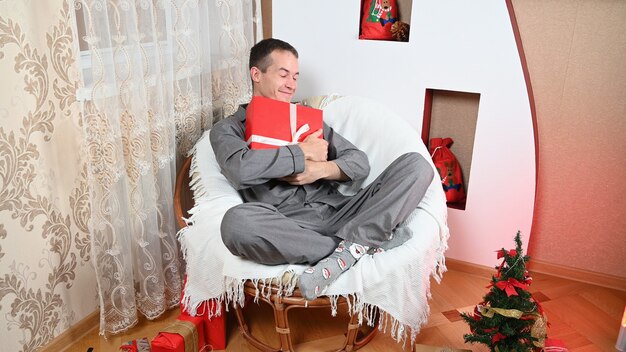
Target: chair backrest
<point>375,129</point>
<point>183,197</point>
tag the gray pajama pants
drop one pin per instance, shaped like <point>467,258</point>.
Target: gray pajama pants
<point>304,235</point>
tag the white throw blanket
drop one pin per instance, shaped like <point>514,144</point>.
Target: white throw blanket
<point>397,281</point>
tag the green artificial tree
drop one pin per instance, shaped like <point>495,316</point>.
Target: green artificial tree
<point>509,318</point>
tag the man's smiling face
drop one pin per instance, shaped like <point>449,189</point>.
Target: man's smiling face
<point>279,81</point>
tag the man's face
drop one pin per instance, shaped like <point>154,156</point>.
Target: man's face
<point>279,81</point>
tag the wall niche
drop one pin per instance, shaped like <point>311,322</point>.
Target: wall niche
<point>453,114</point>
<point>388,20</point>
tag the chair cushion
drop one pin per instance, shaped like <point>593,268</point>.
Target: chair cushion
<point>376,130</point>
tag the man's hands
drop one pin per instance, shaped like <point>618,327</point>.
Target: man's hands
<point>314,148</point>
<point>313,171</point>
<point>316,165</point>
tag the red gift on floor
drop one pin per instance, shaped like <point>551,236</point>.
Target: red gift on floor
<point>215,326</point>
<point>272,123</point>
<point>186,334</point>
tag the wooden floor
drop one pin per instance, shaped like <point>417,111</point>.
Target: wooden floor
<point>585,317</point>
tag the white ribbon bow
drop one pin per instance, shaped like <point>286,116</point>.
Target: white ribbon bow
<point>295,134</point>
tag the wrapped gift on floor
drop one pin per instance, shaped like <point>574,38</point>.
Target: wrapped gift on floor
<point>214,325</point>
<point>186,334</point>
<point>272,123</point>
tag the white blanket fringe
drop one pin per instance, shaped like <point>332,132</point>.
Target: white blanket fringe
<point>367,313</point>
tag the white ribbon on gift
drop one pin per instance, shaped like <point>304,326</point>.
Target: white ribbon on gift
<point>295,134</point>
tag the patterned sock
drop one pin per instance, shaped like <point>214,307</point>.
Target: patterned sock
<point>315,279</point>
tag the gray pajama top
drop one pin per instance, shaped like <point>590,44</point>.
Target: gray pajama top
<point>255,173</point>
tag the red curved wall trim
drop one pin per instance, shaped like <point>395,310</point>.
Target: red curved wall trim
<point>529,89</point>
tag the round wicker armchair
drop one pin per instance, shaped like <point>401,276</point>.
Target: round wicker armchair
<point>354,338</point>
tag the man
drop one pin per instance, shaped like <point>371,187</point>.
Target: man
<point>293,212</point>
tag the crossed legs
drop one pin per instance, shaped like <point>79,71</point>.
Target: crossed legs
<point>261,233</point>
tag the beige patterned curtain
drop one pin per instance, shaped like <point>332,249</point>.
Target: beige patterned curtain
<point>155,75</point>
<point>44,240</point>
<point>98,99</point>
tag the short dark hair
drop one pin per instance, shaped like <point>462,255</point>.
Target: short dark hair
<point>260,52</point>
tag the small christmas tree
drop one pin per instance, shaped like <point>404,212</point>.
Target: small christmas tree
<point>509,318</point>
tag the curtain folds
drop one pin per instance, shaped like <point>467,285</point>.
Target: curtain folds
<point>156,74</point>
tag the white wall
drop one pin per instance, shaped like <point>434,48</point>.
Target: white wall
<point>454,45</point>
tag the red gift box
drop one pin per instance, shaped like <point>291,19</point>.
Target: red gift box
<point>272,123</point>
<point>214,325</point>
<point>186,334</point>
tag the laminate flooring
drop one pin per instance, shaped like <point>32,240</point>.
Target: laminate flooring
<point>585,317</point>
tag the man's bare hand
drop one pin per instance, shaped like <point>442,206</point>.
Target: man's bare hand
<point>316,170</point>
<point>313,171</point>
<point>314,148</point>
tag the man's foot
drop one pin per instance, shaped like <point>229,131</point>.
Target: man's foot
<point>315,279</point>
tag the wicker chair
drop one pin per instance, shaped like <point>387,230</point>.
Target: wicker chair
<point>355,339</point>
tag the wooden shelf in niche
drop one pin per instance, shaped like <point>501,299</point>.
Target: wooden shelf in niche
<point>453,114</point>
<point>395,14</point>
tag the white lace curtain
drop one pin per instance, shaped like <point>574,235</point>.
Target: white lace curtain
<point>156,74</point>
